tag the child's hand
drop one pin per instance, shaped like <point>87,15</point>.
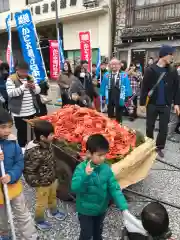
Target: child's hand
<point>89,169</point>
<point>6,179</point>
<point>1,156</point>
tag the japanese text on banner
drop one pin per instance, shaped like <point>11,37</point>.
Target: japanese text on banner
<point>54,59</point>
<point>28,40</point>
<point>85,47</point>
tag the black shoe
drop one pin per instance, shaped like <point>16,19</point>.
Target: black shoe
<point>160,153</point>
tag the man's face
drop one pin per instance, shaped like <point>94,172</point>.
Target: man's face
<point>151,61</point>
<point>103,66</point>
<point>23,73</point>
<point>85,66</point>
<point>115,65</point>
<point>94,69</point>
<point>168,59</point>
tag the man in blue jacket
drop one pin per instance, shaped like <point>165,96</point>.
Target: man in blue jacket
<point>115,89</point>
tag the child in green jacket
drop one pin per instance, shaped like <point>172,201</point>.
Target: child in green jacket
<point>95,185</point>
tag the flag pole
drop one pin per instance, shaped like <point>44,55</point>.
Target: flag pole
<point>10,42</point>
<point>38,43</point>
<point>57,30</point>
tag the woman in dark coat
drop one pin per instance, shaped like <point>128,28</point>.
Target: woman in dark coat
<point>64,82</point>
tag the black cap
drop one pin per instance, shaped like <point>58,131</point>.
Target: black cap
<point>166,50</point>
<point>5,117</point>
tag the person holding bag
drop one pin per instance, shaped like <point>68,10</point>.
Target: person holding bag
<point>160,89</point>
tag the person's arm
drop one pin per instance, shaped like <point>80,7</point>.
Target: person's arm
<point>61,81</point>
<point>116,193</point>
<point>128,89</point>
<point>37,89</point>
<point>145,86</point>
<point>16,171</point>
<point>104,83</point>
<point>12,91</point>
<point>78,179</point>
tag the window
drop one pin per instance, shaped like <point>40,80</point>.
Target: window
<point>32,1</point>
<point>4,5</point>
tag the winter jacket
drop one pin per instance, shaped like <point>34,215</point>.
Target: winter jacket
<point>64,81</point>
<point>14,164</point>
<point>93,192</point>
<point>39,169</point>
<point>77,87</point>
<point>88,85</point>
<point>125,88</point>
<point>172,90</point>
<point>16,90</point>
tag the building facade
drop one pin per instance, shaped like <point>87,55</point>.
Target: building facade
<point>149,24</point>
<point>74,16</point>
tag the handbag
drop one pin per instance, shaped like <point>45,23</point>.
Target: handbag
<point>45,99</point>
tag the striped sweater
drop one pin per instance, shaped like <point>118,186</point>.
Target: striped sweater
<point>27,107</point>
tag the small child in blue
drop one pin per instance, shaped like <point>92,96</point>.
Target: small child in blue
<point>13,160</point>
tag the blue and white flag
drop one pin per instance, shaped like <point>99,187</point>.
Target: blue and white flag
<point>61,54</point>
<point>9,54</point>
<point>98,64</point>
<point>31,53</point>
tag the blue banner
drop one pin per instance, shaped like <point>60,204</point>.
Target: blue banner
<point>9,54</point>
<point>32,56</point>
<point>98,64</point>
<point>61,53</point>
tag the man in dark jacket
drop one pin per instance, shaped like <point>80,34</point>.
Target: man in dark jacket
<point>87,81</point>
<point>164,94</point>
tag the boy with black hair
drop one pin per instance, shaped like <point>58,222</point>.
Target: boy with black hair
<point>13,160</point>
<point>95,185</point>
<point>155,221</point>
<point>40,173</point>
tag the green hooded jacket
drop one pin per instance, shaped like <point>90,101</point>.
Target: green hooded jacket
<point>94,191</point>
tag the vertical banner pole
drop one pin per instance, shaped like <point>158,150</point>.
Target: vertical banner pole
<point>38,42</point>
<point>10,42</point>
<point>57,31</point>
<point>90,50</point>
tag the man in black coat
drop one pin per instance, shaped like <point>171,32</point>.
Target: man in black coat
<point>164,94</point>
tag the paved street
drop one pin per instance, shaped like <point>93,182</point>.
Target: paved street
<point>162,183</point>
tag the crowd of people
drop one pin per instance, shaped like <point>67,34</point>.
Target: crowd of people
<point>115,88</point>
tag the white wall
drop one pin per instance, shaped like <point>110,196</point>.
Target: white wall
<point>68,12</point>
<point>100,33</point>
<point>74,19</point>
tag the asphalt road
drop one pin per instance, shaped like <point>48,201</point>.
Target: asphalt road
<point>162,183</point>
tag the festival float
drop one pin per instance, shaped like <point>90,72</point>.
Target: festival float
<point>131,155</point>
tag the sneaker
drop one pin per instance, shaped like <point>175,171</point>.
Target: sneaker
<point>43,226</point>
<point>58,215</point>
<point>5,238</point>
<point>160,153</point>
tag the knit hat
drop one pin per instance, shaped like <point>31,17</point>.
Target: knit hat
<point>5,117</point>
<point>166,50</point>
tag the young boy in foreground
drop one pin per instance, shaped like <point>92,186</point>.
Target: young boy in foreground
<point>95,185</point>
<point>13,162</point>
<point>40,173</point>
<point>155,221</point>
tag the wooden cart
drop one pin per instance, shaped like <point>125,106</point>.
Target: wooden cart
<point>130,170</point>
